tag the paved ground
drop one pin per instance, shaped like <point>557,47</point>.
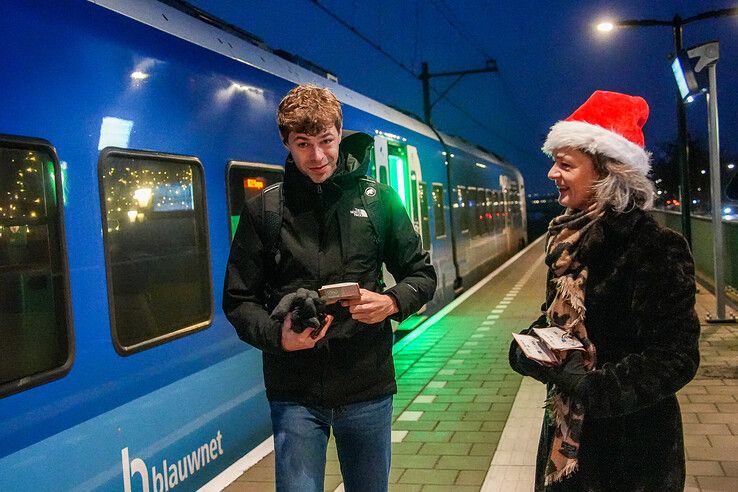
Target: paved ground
<point>710,407</point>
<point>461,423</point>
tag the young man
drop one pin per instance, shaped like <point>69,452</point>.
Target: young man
<point>339,377</point>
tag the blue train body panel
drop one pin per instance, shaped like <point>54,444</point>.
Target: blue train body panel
<point>112,420</point>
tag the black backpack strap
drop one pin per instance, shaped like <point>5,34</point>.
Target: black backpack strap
<point>272,204</point>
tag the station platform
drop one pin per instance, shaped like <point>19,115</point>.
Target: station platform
<point>464,421</point>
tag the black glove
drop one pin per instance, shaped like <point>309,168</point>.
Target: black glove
<point>308,312</point>
<point>307,308</point>
<point>570,374</point>
<point>527,367</point>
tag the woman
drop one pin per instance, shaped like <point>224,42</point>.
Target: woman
<point>625,287</point>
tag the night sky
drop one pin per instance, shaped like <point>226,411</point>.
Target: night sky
<point>549,55</point>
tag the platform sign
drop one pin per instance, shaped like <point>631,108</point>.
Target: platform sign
<point>685,77</point>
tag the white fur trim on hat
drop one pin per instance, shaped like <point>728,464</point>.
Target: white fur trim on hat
<point>595,139</point>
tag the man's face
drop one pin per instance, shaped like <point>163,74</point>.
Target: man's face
<point>316,156</point>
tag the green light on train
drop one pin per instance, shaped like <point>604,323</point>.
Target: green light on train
<point>400,175</point>
<point>65,182</point>
<point>52,178</point>
<point>235,219</point>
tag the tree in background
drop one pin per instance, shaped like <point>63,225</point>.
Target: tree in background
<point>666,175</point>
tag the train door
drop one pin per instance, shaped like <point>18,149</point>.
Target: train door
<point>398,165</point>
<point>506,207</point>
<point>489,213</point>
<point>381,162</point>
<point>416,210</point>
<point>470,203</point>
<point>505,185</point>
<point>460,205</point>
<point>523,210</point>
<point>424,214</point>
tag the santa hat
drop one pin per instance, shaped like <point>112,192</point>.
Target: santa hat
<point>607,123</point>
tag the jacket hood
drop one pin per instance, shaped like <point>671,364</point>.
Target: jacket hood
<point>355,152</point>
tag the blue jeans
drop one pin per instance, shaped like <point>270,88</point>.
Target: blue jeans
<point>363,434</point>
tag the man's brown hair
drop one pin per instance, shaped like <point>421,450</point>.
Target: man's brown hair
<point>308,109</point>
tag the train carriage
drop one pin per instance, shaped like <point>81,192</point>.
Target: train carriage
<point>131,133</point>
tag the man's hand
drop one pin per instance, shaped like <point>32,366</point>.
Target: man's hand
<point>292,341</point>
<point>371,307</point>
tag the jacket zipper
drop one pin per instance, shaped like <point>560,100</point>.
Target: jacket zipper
<point>320,218</point>
<point>321,224</point>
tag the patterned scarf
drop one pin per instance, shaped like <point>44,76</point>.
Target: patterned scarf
<point>566,234</point>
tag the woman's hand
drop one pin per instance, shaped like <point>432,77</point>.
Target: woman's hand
<point>527,367</point>
<point>568,375</point>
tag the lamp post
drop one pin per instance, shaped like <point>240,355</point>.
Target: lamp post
<point>677,27</point>
<point>707,56</point>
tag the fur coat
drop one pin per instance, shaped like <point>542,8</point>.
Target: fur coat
<point>639,300</point>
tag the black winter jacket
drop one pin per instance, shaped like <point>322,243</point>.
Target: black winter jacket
<point>325,238</point>
<point>639,298</point>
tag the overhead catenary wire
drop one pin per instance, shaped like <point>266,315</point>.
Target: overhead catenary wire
<point>404,67</point>
<point>471,40</point>
<point>450,17</point>
<point>385,53</point>
<point>363,37</point>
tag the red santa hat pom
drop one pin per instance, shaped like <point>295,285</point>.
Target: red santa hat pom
<point>608,123</point>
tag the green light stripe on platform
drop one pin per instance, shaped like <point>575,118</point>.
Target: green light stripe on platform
<point>404,342</point>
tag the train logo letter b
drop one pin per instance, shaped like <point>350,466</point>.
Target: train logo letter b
<point>132,467</point>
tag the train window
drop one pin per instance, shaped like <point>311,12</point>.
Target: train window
<point>471,211</point>
<point>488,211</point>
<point>424,217</point>
<point>245,180</point>
<point>35,326</point>
<point>383,178</point>
<point>439,219</point>
<point>498,208</point>
<point>372,171</point>
<point>414,196</point>
<point>481,204</point>
<point>156,247</point>
<point>513,207</point>
<point>517,207</point>
<point>471,200</point>
<point>462,208</point>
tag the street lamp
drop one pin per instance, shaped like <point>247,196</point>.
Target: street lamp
<point>707,55</point>
<point>677,25</point>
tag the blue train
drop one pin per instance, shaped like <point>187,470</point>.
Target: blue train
<point>131,132</point>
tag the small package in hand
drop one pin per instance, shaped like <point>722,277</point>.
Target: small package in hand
<point>336,292</point>
<point>557,339</point>
<point>535,349</point>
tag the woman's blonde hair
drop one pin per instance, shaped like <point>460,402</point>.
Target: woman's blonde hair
<point>308,109</point>
<point>621,186</point>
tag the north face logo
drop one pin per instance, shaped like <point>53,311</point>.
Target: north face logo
<point>359,212</point>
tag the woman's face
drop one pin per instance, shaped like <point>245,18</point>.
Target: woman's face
<point>574,173</point>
